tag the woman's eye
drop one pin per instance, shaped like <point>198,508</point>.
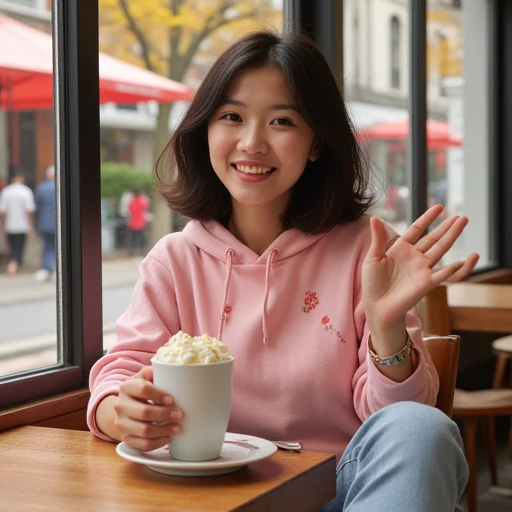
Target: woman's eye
<point>230,116</point>
<point>282,121</point>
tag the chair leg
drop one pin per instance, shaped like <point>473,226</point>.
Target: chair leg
<point>490,445</point>
<point>510,440</point>
<point>499,371</point>
<point>470,426</point>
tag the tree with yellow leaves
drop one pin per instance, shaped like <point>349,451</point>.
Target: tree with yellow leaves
<point>165,35</point>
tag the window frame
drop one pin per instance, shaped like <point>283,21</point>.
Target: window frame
<point>77,162</point>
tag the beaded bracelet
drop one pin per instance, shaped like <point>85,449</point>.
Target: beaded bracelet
<point>397,358</point>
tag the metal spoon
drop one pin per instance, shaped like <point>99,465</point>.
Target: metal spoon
<point>290,446</point>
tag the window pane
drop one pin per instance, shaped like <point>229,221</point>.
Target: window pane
<point>376,45</point>
<point>135,128</point>
<point>458,120</point>
<point>28,314</point>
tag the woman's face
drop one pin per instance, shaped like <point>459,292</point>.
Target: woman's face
<point>259,143</point>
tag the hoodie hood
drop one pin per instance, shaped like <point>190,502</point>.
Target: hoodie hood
<point>217,241</point>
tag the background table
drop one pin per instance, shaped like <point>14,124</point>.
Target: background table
<point>480,307</point>
<point>55,469</point>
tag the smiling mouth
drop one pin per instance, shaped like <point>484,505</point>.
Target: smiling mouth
<point>252,169</point>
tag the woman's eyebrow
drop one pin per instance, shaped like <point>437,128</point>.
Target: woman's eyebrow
<point>279,106</point>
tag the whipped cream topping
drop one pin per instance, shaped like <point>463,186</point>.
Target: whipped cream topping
<point>185,349</point>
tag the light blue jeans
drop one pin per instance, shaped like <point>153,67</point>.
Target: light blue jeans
<point>406,457</point>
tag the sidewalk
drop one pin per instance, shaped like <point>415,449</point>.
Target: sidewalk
<point>24,287</point>
<point>40,351</point>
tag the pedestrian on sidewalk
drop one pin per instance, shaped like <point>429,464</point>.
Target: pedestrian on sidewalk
<point>45,202</point>
<point>138,209</point>
<point>17,208</point>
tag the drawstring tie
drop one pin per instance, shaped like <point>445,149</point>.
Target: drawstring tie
<point>270,258</point>
<point>223,315</point>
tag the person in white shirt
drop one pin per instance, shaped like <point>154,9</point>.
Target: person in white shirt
<point>17,208</point>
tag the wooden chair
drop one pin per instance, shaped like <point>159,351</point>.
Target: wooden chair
<point>469,406</point>
<point>444,351</point>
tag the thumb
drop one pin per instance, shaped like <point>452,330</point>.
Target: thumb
<point>377,249</point>
<point>146,373</point>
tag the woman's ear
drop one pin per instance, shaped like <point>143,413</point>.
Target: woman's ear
<point>316,149</point>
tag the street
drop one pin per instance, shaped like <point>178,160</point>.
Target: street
<point>34,318</point>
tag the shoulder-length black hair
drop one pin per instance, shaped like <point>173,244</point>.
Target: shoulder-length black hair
<point>332,190</point>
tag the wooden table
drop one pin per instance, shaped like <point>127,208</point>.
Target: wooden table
<point>55,469</point>
<point>480,307</point>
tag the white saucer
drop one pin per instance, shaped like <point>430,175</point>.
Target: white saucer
<point>232,457</point>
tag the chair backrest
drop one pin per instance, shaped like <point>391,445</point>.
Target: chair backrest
<point>434,312</point>
<point>444,352</point>
<point>444,348</point>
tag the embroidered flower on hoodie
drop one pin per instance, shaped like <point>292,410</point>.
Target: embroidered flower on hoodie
<point>310,302</point>
<point>330,328</point>
<point>226,311</point>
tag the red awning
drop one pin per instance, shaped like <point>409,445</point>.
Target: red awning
<point>26,73</point>
<point>438,133</point>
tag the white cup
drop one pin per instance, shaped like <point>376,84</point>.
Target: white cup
<point>203,393</point>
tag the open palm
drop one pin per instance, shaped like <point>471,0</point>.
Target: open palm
<point>395,280</point>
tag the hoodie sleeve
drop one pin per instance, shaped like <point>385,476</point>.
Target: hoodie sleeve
<point>145,326</point>
<point>372,389</point>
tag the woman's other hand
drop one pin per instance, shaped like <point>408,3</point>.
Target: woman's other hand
<point>395,280</point>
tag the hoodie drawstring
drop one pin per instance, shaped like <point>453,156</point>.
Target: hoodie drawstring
<point>229,262</point>
<point>223,315</point>
<point>273,252</point>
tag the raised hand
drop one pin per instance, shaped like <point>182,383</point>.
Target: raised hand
<point>394,281</point>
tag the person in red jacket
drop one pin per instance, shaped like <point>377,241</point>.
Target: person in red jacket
<point>138,219</point>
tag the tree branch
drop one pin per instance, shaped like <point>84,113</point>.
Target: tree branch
<point>137,33</point>
<point>209,28</point>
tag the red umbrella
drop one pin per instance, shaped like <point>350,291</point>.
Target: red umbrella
<point>26,73</point>
<point>438,133</point>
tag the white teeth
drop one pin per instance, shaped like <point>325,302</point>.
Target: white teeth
<point>249,169</point>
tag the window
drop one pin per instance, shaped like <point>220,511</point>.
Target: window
<point>67,322</point>
<point>395,52</point>
<point>459,120</point>
<point>380,111</point>
<point>28,200</point>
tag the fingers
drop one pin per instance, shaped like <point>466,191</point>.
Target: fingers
<point>146,445</point>
<point>145,418</point>
<point>146,373</point>
<point>377,248</point>
<point>144,436</point>
<point>441,247</point>
<point>425,243</point>
<point>148,430</point>
<point>143,389</point>
<point>445,273</point>
<point>418,227</point>
<point>455,271</point>
<point>466,269</point>
<point>143,411</point>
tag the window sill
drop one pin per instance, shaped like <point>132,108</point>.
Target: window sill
<point>60,411</point>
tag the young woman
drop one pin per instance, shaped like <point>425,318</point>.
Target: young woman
<point>314,298</point>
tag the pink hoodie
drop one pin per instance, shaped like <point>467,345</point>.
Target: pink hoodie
<point>292,318</point>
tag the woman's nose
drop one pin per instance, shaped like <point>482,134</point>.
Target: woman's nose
<point>253,140</point>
